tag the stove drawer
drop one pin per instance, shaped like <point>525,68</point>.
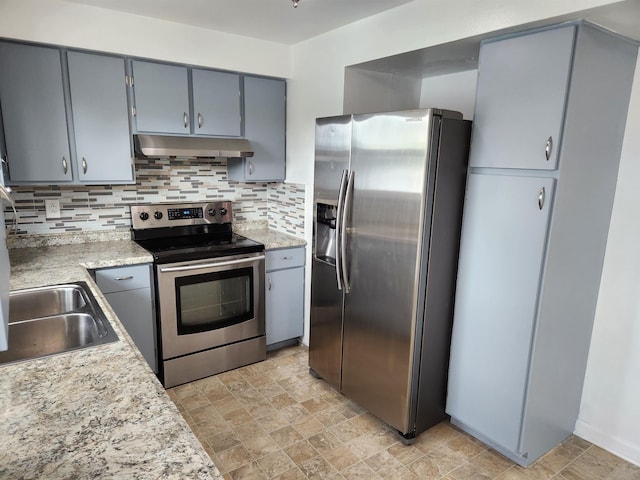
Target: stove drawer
<point>119,279</point>
<point>284,258</point>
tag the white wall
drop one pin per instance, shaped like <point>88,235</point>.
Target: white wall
<point>610,409</point>
<point>610,415</point>
<point>456,91</point>
<point>75,25</point>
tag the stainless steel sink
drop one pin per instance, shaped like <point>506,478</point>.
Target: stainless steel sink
<point>49,320</point>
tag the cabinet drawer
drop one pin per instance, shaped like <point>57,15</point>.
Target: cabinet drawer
<point>284,258</point>
<point>123,278</point>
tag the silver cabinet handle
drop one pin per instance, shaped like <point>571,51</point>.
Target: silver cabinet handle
<point>250,167</point>
<point>185,118</point>
<point>541,198</point>
<point>65,166</point>
<point>199,120</point>
<point>287,258</point>
<point>269,283</point>
<point>84,165</point>
<point>128,277</point>
<point>548,147</point>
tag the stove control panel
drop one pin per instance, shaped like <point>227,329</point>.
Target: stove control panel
<point>179,214</point>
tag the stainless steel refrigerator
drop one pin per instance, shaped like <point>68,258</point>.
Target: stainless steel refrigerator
<point>388,200</point>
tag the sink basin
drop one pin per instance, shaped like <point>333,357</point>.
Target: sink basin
<point>45,302</point>
<point>49,320</point>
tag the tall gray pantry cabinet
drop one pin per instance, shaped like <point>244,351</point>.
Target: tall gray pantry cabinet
<point>551,108</point>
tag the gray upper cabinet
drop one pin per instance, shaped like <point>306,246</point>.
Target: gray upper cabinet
<point>265,128</point>
<point>163,95</point>
<point>216,103</point>
<point>520,101</point>
<point>534,232</point>
<point>100,118</point>
<point>161,98</point>
<point>34,116</point>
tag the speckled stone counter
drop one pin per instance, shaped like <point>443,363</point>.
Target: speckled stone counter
<point>93,413</point>
<point>271,239</point>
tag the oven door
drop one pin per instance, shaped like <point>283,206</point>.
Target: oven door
<point>209,303</point>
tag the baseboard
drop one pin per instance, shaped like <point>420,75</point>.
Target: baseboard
<point>625,450</point>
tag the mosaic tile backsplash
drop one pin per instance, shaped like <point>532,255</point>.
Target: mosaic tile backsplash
<point>106,207</point>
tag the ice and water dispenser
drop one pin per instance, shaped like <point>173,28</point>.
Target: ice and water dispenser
<point>326,215</point>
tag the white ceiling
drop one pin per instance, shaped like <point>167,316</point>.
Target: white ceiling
<point>272,20</point>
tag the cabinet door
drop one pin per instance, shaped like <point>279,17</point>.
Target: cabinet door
<point>216,103</point>
<point>161,98</point>
<point>501,256</point>
<point>520,100</point>
<point>33,110</point>
<point>264,127</point>
<point>100,118</point>
<point>134,309</point>
<point>284,302</point>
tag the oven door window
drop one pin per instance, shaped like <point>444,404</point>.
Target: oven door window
<point>214,300</point>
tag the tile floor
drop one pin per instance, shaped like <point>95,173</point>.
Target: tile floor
<point>272,420</point>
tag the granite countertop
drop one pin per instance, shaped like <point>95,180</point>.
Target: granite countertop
<point>271,239</point>
<point>93,413</point>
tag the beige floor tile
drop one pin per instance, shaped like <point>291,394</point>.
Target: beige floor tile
<point>383,463</point>
<point>276,463</point>
<point>492,463</point>
<point>468,472</point>
<point>359,471</point>
<point>272,420</point>
<point>223,441</point>
<point>341,457</point>
<point>270,423</point>
<point>300,452</point>
<point>324,442</point>
<point>233,458</point>
<point>286,436</point>
<point>317,468</point>
<point>250,471</point>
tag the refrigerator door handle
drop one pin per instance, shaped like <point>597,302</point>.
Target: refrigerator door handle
<point>341,194</point>
<point>343,235</point>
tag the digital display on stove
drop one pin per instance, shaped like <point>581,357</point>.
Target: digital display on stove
<point>184,213</point>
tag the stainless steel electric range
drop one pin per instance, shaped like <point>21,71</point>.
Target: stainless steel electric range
<point>209,289</point>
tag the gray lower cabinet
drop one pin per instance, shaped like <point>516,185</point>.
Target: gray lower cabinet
<point>128,291</point>
<point>34,113</point>
<point>534,232</point>
<point>100,118</point>
<point>284,298</point>
<point>265,128</point>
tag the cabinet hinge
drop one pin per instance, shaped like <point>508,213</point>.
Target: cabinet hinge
<point>133,110</point>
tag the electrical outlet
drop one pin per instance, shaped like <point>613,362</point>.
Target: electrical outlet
<point>52,208</point>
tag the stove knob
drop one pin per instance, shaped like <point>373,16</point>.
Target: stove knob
<point>157,215</point>
<point>223,211</point>
<point>144,216</point>
<point>212,212</point>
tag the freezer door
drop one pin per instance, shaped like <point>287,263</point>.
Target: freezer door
<point>391,175</point>
<point>333,154</point>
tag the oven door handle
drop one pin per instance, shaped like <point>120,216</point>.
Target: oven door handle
<point>200,266</point>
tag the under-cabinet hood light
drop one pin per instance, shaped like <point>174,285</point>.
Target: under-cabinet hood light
<point>191,147</point>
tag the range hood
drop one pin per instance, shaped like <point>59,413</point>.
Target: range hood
<point>198,147</point>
